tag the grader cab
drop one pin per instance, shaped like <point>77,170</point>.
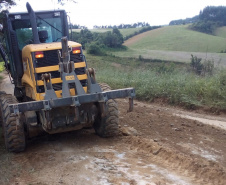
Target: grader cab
<point>54,90</point>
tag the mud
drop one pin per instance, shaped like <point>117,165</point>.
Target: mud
<point>155,146</point>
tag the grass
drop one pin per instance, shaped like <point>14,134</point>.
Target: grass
<point>169,81</point>
<point>220,32</point>
<point>179,56</point>
<point>102,30</point>
<point>2,66</point>
<point>177,38</point>
<point>124,32</point>
<point>175,43</point>
<point>129,31</point>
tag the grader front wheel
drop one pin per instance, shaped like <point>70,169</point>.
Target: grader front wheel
<point>2,93</point>
<point>13,132</point>
<point>107,126</point>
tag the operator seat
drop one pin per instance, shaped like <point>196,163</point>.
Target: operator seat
<point>43,36</point>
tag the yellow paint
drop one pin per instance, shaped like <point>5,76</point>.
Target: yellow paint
<point>80,64</point>
<point>56,67</point>
<point>30,92</point>
<point>58,80</point>
<point>46,69</point>
<point>47,46</point>
<point>28,79</point>
<point>41,96</point>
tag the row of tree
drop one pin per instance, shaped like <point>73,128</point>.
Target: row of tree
<point>77,26</point>
<point>5,4</point>
<point>110,39</point>
<point>184,21</point>
<point>123,26</point>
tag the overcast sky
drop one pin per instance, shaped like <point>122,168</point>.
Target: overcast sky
<point>115,12</point>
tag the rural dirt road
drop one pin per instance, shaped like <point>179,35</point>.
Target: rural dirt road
<point>157,145</point>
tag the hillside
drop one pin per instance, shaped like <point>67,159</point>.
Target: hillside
<point>220,32</point>
<point>129,31</point>
<point>124,32</point>
<point>177,38</point>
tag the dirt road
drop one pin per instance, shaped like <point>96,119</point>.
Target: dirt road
<point>157,145</point>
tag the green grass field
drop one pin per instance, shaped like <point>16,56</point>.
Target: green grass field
<point>176,43</point>
<point>177,38</point>
<point>2,66</point>
<point>124,32</point>
<point>100,30</point>
<point>1,69</point>
<point>129,31</point>
<point>176,56</point>
<point>220,32</point>
<point>172,82</point>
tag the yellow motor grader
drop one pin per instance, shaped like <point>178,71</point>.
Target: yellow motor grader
<point>54,91</point>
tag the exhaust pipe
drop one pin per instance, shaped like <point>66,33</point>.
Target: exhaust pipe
<point>33,23</point>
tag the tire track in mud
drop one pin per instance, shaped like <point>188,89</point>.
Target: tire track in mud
<point>197,169</point>
<point>185,146</point>
<point>121,160</point>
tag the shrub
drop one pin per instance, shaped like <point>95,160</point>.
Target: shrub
<point>165,68</point>
<point>205,68</point>
<point>94,49</point>
<point>222,78</point>
<point>2,66</point>
<point>204,26</point>
<point>141,58</point>
<point>208,67</point>
<point>110,39</point>
<point>196,64</point>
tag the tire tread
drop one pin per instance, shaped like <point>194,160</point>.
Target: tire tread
<point>14,134</point>
<point>108,125</point>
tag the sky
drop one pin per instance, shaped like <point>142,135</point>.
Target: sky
<point>114,12</point>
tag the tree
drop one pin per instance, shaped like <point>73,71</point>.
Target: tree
<point>210,18</point>
<point>62,2</point>
<point>118,36</point>
<point>112,39</point>
<point>6,4</point>
<point>84,37</point>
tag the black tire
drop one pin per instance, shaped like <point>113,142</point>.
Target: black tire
<point>107,126</point>
<point>1,93</point>
<point>14,134</point>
